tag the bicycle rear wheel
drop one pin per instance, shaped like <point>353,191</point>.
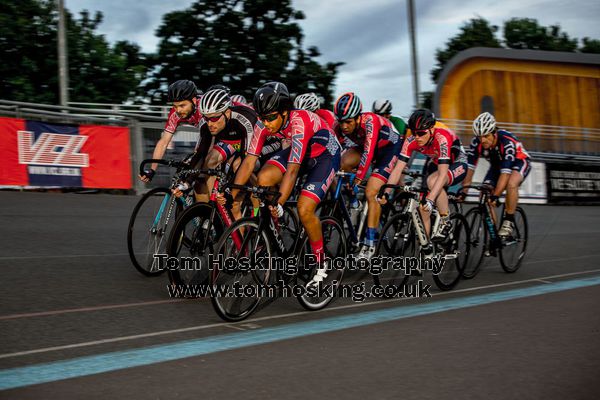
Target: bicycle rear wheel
<point>191,241</point>
<point>334,242</point>
<point>455,249</point>
<point>513,247</point>
<point>151,220</point>
<point>242,239</point>
<point>397,240</point>
<point>478,241</point>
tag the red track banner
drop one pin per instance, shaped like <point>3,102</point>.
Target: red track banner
<point>39,154</point>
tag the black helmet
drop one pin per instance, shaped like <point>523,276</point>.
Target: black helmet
<point>182,90</point>
<point>421,119</point>
<point>219,86</point>
<point>271,97</point>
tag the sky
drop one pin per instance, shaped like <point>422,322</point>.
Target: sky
<point>371,37</point>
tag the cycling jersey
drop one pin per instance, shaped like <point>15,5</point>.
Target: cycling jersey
<point>308,134</point>
<point>372,134</point>
<point>503,156</point>
<point>234,137</point>
<point>444,147</point>
<point>329,117</point>
<point>174,120</point>
<point>399,124</point>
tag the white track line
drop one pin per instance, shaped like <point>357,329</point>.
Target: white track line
<point>84,309</point>
<point>271,317</point>
<point>64,256</point>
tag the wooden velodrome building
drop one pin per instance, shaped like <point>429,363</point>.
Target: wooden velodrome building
<point>522,87</point>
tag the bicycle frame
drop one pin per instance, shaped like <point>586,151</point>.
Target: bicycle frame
<point>339,202</point>
<point>412,208</point>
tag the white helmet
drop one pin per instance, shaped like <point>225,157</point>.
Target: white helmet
<point>382,106</point>
<point>238,98</point>
<point>484,124</point>
<point>307,101</point>
<point>214,101</point>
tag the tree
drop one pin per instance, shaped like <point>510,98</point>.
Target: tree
<point>476,32</point>
<point>98,72</point>
<point>526,33</point>
<point>28,46</point>
<point>590,46</point>
<point>240,43</point>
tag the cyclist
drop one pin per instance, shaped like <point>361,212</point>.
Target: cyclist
<point>383,107</point>
<point>231,126</point>
<point>368,140</point>
<point>448,166</point>
<point>184,96</point>
<point>509,165</point>
<point>310,101</point>
<point>314,153</point>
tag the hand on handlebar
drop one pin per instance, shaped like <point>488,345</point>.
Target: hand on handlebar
<point>147,175</point>
<point>461,196</point>
<point>181,189</point>
<point>427,205</point>
<point>276,212</point>
<point>494,201</point>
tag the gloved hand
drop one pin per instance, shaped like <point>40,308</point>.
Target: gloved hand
<point>147,175</point>
<point>428,205</point>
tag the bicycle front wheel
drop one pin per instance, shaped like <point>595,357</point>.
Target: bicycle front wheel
<point>242,240</point>
<point>334,243</point>
<point>478,241</point>
<point>455,249</point>
<point>397,240</point>
<point>152,218</point>
<point>514,246</point>
<point>191,241</point>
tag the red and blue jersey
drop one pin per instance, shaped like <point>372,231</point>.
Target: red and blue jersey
<point>372,133</point>
<point>444,147</point>
<point>174,120</point>
<point>307,133</point>
<point>329,117</point>
<point>507,151</point>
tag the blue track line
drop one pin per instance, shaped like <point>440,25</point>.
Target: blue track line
<point>89,365</point>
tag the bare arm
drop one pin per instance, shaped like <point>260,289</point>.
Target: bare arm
<point>159,151</point>
<point>288,182</point>
<point>469,177</point>
<point>244,172</point>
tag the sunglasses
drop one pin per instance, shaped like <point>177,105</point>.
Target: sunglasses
<point>269,117</point>
<point>213,119</point>
<point>422,133</point>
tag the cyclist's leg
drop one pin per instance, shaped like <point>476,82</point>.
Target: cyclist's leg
<point>431,178</point>
<point>387,158</point>
<point>457,173</point>
<point>319,177</point>
<point>518,174</point>
<point>272,173</point>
